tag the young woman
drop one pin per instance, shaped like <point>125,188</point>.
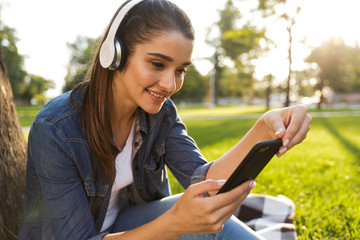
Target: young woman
<point>97,154</point>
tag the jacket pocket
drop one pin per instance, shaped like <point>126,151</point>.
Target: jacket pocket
<point>156,160</point>
<point>93,189</point>
<point>156,171</point>
<point>96,193</point>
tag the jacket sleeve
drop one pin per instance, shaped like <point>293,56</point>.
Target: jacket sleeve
<point>63,193</point>
<point>183,157</point>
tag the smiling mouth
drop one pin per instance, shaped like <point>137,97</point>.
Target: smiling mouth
<point>154,94</point>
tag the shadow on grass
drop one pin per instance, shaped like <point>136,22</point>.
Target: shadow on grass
<point>352,148</point>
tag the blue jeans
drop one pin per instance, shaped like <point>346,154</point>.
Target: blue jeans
<point>136,216</point>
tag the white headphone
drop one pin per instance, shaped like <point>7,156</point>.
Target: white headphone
<point>110,51</point>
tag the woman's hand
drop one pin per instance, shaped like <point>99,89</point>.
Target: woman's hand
<point>291,124</point>
<point>195,214</point>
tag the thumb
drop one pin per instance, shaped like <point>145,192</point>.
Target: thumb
<point>205,187</point>
<point>274,123</point>
<point>279,130</point>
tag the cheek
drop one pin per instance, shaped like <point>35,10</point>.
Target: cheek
<point>143,77</point>
<point>179,84</point>
<point>138,71</point>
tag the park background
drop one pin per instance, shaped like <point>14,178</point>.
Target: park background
<point>250,56</point>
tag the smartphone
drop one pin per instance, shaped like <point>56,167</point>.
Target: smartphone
<point>253,163</point>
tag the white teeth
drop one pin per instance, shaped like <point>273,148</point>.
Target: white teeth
<point>154,94</point>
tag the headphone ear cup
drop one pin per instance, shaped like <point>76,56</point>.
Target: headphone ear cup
<point>112,54</point>
<point>117,55</point>
<point>124,55</point>
<point>107,54</point>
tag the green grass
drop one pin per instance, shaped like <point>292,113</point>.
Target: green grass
<point>321,175</point>
<point>220,111</point>
<point>27,114</point>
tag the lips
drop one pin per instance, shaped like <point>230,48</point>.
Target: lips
<point>154,94</point>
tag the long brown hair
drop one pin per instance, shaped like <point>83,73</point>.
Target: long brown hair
<point>141,23</point>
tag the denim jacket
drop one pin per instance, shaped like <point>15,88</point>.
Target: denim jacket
<point>67,195</point>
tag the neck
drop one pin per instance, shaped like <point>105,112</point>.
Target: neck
<point>122,116</point>
<point>122,110</point>
<point>121,129</point>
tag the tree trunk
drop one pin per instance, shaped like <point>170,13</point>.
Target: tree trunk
<point>12,160</point>
<point>288,82</point>
<point>269,79</point>
<point>321,99</point>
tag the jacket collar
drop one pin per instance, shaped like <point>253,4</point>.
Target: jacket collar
<point>147,121</point>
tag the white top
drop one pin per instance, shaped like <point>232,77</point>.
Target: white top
<point>123,178</point>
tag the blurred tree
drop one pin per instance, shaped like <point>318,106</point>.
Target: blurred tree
<point>13,60</point>
<point>240,45</point>
<point>352,70</point>
<point>230,84</point>
<point>267,7</point>
<point>305,79</point>
<point>194,88</point>
<point>12,160</point>
<point>269,84</point>
<point>290,19</point>
<point>36,87</point>
<point>82,51</point>
<point>25,87</point>
<point>339,66</point>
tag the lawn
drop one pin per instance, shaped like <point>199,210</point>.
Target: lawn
<point>321,175</point>
<point>27,114</point>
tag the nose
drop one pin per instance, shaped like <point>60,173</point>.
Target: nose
<point>168,82</point>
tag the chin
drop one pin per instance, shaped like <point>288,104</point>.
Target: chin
<point>153,109</point>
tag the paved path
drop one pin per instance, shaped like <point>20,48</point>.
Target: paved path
<point>336,114</point>
<point>25,129</point>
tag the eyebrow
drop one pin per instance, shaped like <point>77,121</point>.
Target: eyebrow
<point>167,58</point>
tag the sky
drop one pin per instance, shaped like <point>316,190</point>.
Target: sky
<point>44,27</point>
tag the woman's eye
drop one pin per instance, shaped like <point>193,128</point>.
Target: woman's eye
<point>182,71</point>
<point>157,64</point>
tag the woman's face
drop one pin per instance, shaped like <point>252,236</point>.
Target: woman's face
<point>154,72</point>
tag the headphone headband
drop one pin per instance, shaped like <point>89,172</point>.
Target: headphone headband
<point>110,51</point>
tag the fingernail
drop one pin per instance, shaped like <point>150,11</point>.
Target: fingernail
<point>286,142</point>
<point>221,182</point>
<point>277,133</point>
<point>252,184</point>
<point>282,151</point>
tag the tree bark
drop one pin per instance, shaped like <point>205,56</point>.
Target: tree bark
<point>12,160</point>
<point>288,82</point>
<point>269,79</point>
